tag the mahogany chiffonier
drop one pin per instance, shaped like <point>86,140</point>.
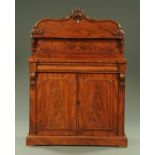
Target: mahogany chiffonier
<point>77,82</point>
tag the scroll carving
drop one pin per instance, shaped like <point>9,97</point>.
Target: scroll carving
<point>32,78</point>
<point>122,79</point>
<point>36,31</point>
<point>120,32</point>
<point>78,15</point>
<point>53,27</point>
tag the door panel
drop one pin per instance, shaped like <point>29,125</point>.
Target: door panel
<point>56,104</point>
<point>98,107</point>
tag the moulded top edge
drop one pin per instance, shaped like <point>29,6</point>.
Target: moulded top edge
<point>77,25</point>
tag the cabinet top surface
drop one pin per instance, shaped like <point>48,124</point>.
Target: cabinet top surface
<point>77,25</point>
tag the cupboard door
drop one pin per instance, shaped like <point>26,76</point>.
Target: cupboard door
<point>98,104</point>
<point>56,104</point>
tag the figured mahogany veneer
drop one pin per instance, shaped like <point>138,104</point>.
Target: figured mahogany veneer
<point>77,82</point>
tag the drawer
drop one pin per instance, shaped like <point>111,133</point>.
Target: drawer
<point>47,67</point>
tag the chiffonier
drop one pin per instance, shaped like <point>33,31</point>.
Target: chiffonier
<point>77,82</point>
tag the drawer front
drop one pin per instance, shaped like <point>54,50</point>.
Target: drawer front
<point>77,47</point>
<point>55,67</point>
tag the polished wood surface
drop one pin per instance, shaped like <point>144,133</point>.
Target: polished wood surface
<point>98,108</point>
<point>77,82</point>
<point>75,47</point>
<point>56,104</point>
<point>78,140</point>
<point>77,25</point>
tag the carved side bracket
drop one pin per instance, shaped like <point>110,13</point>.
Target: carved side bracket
<point>32,78</point>
<point>34,44</point>
<point>122,79</point>
<point>36,31</point>
<point>120,32</point>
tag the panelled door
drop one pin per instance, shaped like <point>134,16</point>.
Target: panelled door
<point>59,113</point>
<point>56,104</point>
<point>98,104</point>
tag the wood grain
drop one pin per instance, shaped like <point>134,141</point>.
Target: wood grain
<point>56,104</point>
<point>98,109</point>
<point>77,25</point>
<point>55,47</point>
<point>77,82</point>
<point>77,140</point>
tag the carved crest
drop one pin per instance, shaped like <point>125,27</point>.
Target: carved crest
<point>78,15</point>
